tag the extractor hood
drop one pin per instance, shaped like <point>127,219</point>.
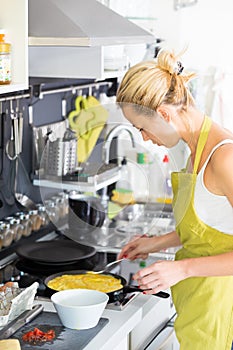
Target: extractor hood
<point>80,23</point>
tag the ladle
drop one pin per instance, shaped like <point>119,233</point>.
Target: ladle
<point>21,198</point>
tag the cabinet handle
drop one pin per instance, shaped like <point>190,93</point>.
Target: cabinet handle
<point>166,341</point>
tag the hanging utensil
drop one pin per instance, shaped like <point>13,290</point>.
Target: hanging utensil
<point>5,186</point>
<point>22,198</point>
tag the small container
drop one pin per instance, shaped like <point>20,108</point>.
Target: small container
<point>26,222</point>
<point>7,233</point>
<point>16,227</point>
<point>43,215</point>
<point>59,202</point>
<point>1,245</point>
<point>5,60</point>
<point>65,197</point>
<point>52,211</point>
<point>35,219</point>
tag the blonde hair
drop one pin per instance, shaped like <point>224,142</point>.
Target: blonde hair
<point>152,83</point>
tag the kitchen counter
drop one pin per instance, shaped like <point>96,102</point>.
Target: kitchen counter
<point>116,334</point>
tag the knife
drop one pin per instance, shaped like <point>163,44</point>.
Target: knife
<point>20,321</point>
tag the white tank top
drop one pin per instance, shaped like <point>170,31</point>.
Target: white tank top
<point>214,210</point>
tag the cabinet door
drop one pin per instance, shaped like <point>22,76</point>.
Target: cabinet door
<point>166,340</point>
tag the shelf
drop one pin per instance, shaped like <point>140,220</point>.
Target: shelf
<point>73,62</point>
<point>5,89</point>
<point>78,186</point>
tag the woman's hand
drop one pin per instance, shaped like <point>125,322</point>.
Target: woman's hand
<point>160,276</point>
<point>138,248</point>
<point>141,246</point>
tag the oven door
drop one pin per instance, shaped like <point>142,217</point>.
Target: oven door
<point>164,340</point>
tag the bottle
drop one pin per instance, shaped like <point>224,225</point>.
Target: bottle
<point>123,192</point>
<point>124,182</point>
<point>5,60</point>
<point>142,190</point>
<point>167,186</point>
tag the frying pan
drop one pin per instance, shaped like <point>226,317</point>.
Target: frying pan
<point>55,252</point>
<point>114,296</point>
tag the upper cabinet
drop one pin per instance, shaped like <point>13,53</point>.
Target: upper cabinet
<point>14,20</point>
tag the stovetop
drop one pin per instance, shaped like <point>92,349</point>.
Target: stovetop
<point>26,272</point>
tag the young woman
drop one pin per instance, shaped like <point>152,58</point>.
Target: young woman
<point>155,98</point>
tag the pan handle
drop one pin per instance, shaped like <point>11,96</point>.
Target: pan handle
<point>130,289</point>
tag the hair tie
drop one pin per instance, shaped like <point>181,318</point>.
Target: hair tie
<point>180,68</point>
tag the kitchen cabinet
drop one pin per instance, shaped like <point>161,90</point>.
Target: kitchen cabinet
<point>14,19</point>
<point>71,62</point>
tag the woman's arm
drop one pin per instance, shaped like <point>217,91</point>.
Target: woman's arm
<point>142,246</point>
<point>164,274</point>
<point>217,265</point>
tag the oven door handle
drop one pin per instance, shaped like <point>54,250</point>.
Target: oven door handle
<point>166,341</point>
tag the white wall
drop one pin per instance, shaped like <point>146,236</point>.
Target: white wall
<point>206,29</point>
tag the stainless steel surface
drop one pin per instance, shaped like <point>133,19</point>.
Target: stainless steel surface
<point>26,317</point>
<point>43,134</point>
<point>116,131</point>
<point>136,219</point>
<point>20,197</point>
<point>77,30</point>
<point>113,133</point>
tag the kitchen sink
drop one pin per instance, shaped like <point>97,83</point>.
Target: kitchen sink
<point>149,218</point>
<point>147,210</point>
<point>136,219</point>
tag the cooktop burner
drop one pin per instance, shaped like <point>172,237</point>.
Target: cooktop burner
<point>26,271</point>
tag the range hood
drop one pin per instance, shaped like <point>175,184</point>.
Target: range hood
<point>80,23</point>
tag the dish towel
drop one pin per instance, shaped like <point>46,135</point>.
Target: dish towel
<point>87,120</point>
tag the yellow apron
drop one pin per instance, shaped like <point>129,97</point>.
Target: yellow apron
<point>204,305</point>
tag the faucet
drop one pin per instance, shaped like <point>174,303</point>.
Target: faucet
<point>106,152</point>
<point>113,133</point>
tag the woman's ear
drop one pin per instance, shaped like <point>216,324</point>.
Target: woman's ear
<point>164,112</point>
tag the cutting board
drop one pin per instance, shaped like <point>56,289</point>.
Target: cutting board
<point>65,338</point>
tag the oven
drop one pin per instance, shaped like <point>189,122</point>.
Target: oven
<point>164,339</point>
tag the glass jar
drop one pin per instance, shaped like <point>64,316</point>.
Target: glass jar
<point>1,245</point>
<point>65,197</point>
<point>59,202</point>
<point>7,233</point>
<point>5,60</point>
<point>52,211</point>
<point>16,227</point>
<point>35,219</point>
<point>43,214</point>
<point>26,222</point>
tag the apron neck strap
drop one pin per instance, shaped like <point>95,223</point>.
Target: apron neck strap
<point>202,141</point>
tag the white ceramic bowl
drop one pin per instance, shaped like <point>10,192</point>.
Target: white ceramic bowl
<point>79,308</point>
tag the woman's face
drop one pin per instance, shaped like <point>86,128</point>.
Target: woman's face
<point>155,127</point>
